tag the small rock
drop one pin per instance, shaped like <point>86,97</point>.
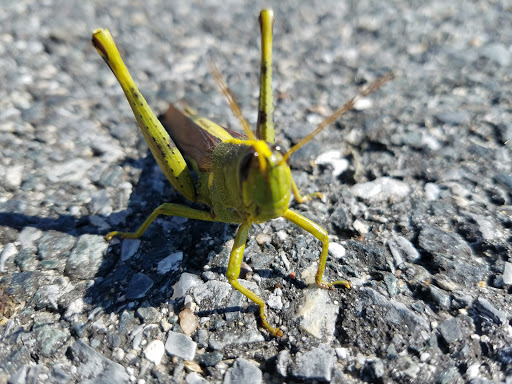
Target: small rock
<point>8,252</point>
<point>129,248</point>
<point>507,273</point>
<point>139,286</point>
<point>50,338</point>
<point>28,236</point>
<point>282,362</point>
<point>432,191</point>
<point>485,308</point>
<point>335,159</point>
<point>195,378</point>
<point>316,364</point>
<point>86,257</point>
<point>188,321</point>
<point>149,315</point>
<point>170,263</point>
<point>498,53</point>
<point>336,250</point>
<point>318,314</point>
<point>211,294</point>
<point>450,330</point>
<point>155,351</point>
<point>93,367</point>
<point>243,372</point>
<point>453,117</point>
<point>223,338</point>
<point>186,282</point>
<point>381,189</point>
<point>401,249</point>
<point>180,345</point>
<point>209,359</point>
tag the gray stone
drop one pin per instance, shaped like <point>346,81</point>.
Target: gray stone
<point>149,314</point>
<point>86,256</point>
<point>453,117</point>
<point>282,362</point>
<point>195,378</point>
<point>403,250</point>
<point>316,364</point>
<point>381,189</point>
<point>507,273</point>
<point>498,53</point>
<point>450,330</point>
<point>243,372</point>
<point>93,368</point>
<point>170,263</point>
<point>128,248</point>
<point>485,308</point>
<point>50,338</point>
<point>235,337</point>
<point>180,345</point>
<point>211,294</point>
<point>139,286</point>
<point>186,282</point>
<point>8,251</point>
<point>209,359</point>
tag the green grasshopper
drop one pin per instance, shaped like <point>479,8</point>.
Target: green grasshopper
<point>243,179</point>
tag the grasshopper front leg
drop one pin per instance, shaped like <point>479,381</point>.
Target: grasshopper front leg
<point>235,261</point>
<point>321,234</point>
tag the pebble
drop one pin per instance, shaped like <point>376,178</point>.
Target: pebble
<point>316,364</point>
<point>335,159</point>
<point>50,338</point>
<point>8,252</point>
<point>498,53</point>
<point>243,371</point>
<point>432,191</point>
<point>317,314</point>
<point>93,367</point>
<point>154,351</point>
<point>184,284</point>
<point>139,286</point>
<point>403,250</point>
<point>282,362</point>
<point>195,378</point>
<point>128,248</point>
<point>381,189</point>
<point>225,337</point>
<point>180,345</point>
<point>336,250</point>
<point>86,257</point>
<point>28,236</point>
<point>170,263</point>
<point>211,294</point>
<point>507,273</point>
<point>188,321</point>
<point>149,315</point>
<point>209,359</point>
<point>453,117</point>
<point>450,330</point>
<point>485,308</point>
<point>397,314</point>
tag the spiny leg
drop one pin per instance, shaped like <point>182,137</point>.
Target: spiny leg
<point>321,234</point>
<point>167,209</point>
<point>235,261</point>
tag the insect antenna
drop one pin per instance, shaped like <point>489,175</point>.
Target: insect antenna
<point>233,104</point>
<point>340,111</point>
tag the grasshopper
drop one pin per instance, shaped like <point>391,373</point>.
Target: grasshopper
<point>243,179</point>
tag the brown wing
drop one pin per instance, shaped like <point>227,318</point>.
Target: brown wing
<point>195,143</point>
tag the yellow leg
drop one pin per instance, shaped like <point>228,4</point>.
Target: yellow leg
<point>302,199</point>
<point>320,234</point>
<point>235,261</point>
<point>167,209</point>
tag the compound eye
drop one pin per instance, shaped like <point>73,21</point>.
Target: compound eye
<point>246,164</point>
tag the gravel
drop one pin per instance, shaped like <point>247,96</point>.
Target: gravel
<point>416,184</point>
